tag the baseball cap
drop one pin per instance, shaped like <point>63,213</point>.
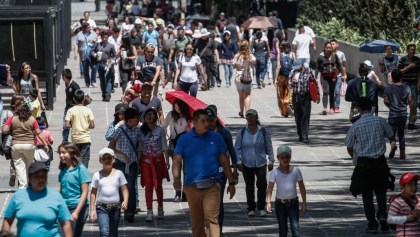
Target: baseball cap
<point>284,149</point>
<point>408,177</point>
<point>212,112</point>
<point>226,32</point>
<point>222,14</point>
<point>137,21</point>
<point>251,112</point>
<point>147,84</point>
<point>37,166</point>
<point>119,108</point>
<point>105,151</point>
<point>298,64</point>
<point>171,26</point>
<point>368,63</point>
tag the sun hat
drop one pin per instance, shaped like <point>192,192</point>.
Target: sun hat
<point>196,34</point>
<point>204,32</point>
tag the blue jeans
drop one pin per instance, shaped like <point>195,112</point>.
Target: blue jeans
<point>89,79</point>
<point>81,67</point>
<point>260,68</point>
<point>106,81</point>
<point>77,226</point>
<point>289,211</point>
<point>189,88</point>
<point>66,131</point>
<point>228,73</point>
<point>165,64</point>
<point>222,207</point>
<point>337,91</point>
<point>398,125</point>
<point>131,184</point>
<point>413,88</point>
<point>108,220</point>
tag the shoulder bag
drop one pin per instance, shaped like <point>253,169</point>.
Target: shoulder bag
<point>246,77</point>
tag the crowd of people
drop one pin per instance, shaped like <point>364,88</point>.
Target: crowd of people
<point>152,48</point>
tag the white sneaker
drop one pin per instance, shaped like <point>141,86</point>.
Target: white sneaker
<point>149,216</point>
<point>161,213</point>
<point>251,213</point>
<point>262,213</point>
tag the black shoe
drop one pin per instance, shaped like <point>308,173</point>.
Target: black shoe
<point>129,218</point>
<point>411,126</point>
<point>184,197</point>
<point>107,98</point>
<point>384,224</point>
<point>305,139</point>
<point>12,180</point>
<point>372,228</point>
<point>300,138</point>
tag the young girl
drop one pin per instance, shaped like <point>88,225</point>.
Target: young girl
<point>287,202</point>
<point>154,161</point>
<point>133,89</point>
<point>74,181</point>
<point>106,205</point>
<point>48,138</point>
<point>179,122</point>
<point>118,121</point>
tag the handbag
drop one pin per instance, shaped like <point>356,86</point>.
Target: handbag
<point>41,156</point>
<point>246,77</point>
<point>313,88</point>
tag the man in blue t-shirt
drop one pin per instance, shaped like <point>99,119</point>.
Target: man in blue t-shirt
<point>202,152</point>
<point>397,96</point>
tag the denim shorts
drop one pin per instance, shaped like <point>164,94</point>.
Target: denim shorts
<point>242,87</point>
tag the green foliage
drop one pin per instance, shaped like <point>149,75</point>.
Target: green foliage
<point>335,29</point>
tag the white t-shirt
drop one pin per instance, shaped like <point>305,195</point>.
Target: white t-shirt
<point>189,68</point>
<point>302,42</point>
<point>108,187</point>
<point>91,23</point>
<point>286,183</point>
<point>308,31</point>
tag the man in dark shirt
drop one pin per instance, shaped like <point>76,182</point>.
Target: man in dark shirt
<point>410,75</point>
<point>146,101</point>
<point>150,65</point>
<point>105,53</point>
<point>206,47</point>
<point>71,87</point>
<point>220,24</point>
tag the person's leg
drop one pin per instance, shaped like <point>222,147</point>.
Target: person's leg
<point>114,220</point>
<point>227,78</point>
<point>81,68</point>
<point>306,116</point>
<point>28,152</point>
<point>195,199</point>
<point>108,82</point>
<point>241,95</point>
<point>222,206</point>
<point>247,97</point>
<point>102,81</point>
<point>211,201</point>
<point>258,71</point>
<point>216,73</point>
<point>368,206</point>
<point>325,92</point>
<point>273,69</point>
<point>20,166</point>
<point>269,71</point>
<point>80,223</point>
<point>249,178</point>
<point>281,214</point>
<point>165,63</point>
<point>86,72</point>
<point>297,107</point>
<point>103,217</point>
<point>131,184</point>
<point>401,127</point>
<point>184,86</point>
<point>263,68</point>
<point>66,131</point>
<point>332,84</point>
<point>413,88</point>
<point>124,80</point>
<point>261,174</point>
<point>293,214</point>
<point>230,70</point>
<point>209,75</point>
<point>337,92</point>
<point>394,125</point>
<point>193,89</point>
<point>94,70</point>
<point>147,180</point>
<point>84,149</point>
<point>380,193</point>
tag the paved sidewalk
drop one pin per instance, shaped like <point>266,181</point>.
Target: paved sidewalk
<point>326,167</point>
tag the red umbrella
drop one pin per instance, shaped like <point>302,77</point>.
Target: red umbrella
<point>192,102</point>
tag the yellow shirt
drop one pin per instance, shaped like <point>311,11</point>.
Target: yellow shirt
<point>36,108</point>
<point>80,117</point>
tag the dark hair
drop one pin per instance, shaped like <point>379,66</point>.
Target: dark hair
<point>183,107</point>
<point>333,40</point>
<point>16,101</point>
<point>232,19</point>
<point>85,25</point>
<point>20,73</point>
<point>189,44</point>
<point>199,112</point>
<point>116,29</point>
<point>326,43</point>
<point>33,93</point>
<point>284,45</point>
<point>79,96</point>
<point>364,103</point>
<point>301,27</point>
<point>411,45</point>
<point>86,12</point>
<point>181,29</point>
<point>259,33</point>
<point>67,73</point>
<point>364,69</point>
<point>74,152</point>
<point>305,22</point>
<point>104,33</point>
<point>144,128</point>
<point>274,13</point>
<point>130,20</point>
<point>40,120</point>
<point>131,113</point>
<point>396,75</point>
<point>23,112</point>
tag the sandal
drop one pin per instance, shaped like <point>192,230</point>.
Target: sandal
<point>241,115</point>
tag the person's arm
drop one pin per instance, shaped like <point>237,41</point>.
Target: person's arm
<point>5,129</point>
<point>68,232</point>
<point>268,196</point>
<point>9,79</point>
<point>82,202</point>
<point>178,70</point>
<point>408,67</point>
<point>68,124</point>
<point>41,138</point>
<point>269,148</point>
<point>7,224</point>
<point>161,116</point>
<point>91,124</point>
<point>41,101</point>
<point>171,54</point>
<point>344,72</point>
<point>386,101</point>
<point>201,71</point>
<point>303,194</point>
<point>156,75</point>
<point>113,146</point>
<point>176,172</point>
<point>238,150</point>
<point>313,44</point>
<point>16,86</point>
<point>124,191</point>
<point>350,151</point>
<point>268,49</point>
<point>224,161</point>
<point>92,205</point>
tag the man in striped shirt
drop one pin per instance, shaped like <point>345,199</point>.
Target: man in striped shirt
<point>404,207</point>
<point>366,140</point>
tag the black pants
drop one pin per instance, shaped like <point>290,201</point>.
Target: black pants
<point>328,95</point>
<point>378,169</point>
<point>84,149</point>
<point>249,177</point>
<point>302,107</point>
<point>209,68</point>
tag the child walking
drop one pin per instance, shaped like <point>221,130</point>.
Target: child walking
<point>48,138</point>
<point>404,209</point>
<point>287,202</point>
<point>105,202</point>
<point>74,181</point>
<point>154,161</point>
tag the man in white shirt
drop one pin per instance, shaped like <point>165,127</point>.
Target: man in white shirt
<point>301,44</point>
<point>90,21</point>
<point>308,31</point>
